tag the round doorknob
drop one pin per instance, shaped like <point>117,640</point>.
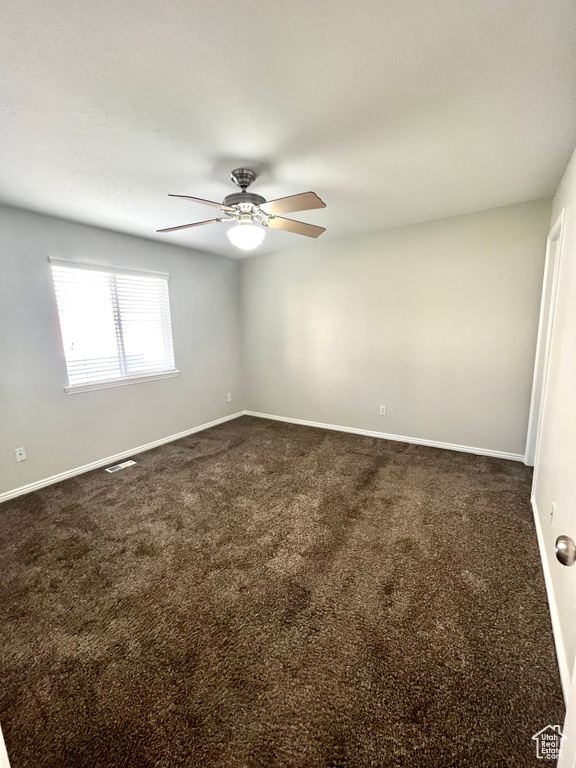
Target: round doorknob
<point>565,550</point>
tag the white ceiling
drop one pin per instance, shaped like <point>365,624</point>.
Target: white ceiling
<point>393,112</point>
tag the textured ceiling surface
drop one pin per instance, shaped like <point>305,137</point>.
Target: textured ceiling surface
<point>393,112</point>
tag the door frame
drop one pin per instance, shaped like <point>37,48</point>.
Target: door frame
<point>567,757</point>
<point>4,762</point>
<point>545,326</point>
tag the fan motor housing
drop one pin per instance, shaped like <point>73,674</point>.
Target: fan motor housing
<point>244,197</point>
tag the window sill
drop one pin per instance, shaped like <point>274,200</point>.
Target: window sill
<point>120,382</point>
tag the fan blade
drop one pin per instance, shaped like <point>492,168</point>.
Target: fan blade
<point>188,226</point>
<point>304,202</point>
<point>205,202</point>
<point>298,227</point>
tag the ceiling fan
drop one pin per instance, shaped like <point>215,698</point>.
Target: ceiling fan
<point>246,210</point>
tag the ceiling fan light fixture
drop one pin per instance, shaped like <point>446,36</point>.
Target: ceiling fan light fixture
<point>245,235</point>
<point>250,212</point>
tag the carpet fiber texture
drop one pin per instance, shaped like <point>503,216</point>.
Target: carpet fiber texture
<point>268,595</point>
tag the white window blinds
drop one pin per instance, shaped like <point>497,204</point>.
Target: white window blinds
<point>115,325</point>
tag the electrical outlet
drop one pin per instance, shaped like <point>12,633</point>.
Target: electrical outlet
<point>20,454</point>
<point>553,512</point>
<point>229,397</point>
<point>382,410</point>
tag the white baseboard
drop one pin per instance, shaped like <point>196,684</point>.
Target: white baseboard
<point>110,460</point>
<point>4,762</point>
<point>139,449</point>
<point>399,438</point>
<point>553,605</point>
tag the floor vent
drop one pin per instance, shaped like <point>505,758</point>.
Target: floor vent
<point>123,465</point>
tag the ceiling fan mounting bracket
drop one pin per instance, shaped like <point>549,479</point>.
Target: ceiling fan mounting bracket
<point>243,177</point>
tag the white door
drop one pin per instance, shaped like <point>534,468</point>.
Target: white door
<point>551,446</point>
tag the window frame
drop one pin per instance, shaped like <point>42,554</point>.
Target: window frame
<point>117,381</point>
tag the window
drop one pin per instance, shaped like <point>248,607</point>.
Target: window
<point>115,325</point>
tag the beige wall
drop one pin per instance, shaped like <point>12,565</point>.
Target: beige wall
<point>436,321</point>
<point>61,432</point>
<point>555,471</point>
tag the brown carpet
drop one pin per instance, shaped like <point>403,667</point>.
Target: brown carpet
<point>263,594</point>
